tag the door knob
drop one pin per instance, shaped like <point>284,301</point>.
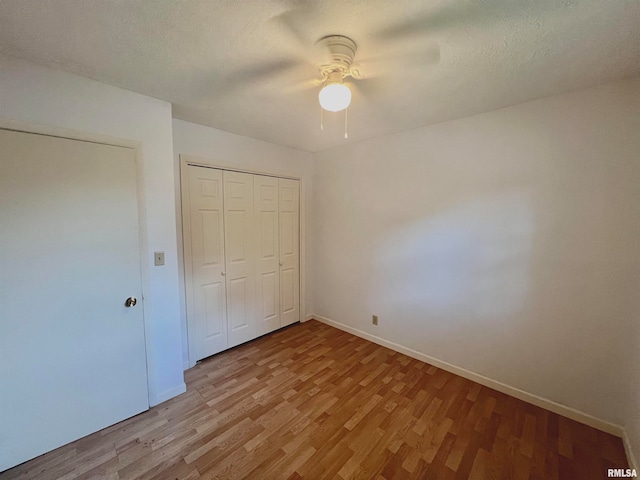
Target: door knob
<point>222,273</point>
<point>130,302</point>
<point>280,263</point>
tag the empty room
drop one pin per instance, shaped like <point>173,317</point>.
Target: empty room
<point>319,239</point>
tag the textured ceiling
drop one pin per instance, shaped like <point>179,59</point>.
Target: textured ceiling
<point>247,66</point>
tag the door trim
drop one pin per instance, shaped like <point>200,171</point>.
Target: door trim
<point>185,162</point>
<point>50,131</point>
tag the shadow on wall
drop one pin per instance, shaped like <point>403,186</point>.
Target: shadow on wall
<point>470,261</point>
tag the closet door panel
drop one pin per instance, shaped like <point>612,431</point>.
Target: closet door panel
<point>240,257</point>
<point>238,304</point>
<point>268,270</point>
<point>289,229</point>
<point>288,287</point>
<point>214,309</point>
<point>208,300</point>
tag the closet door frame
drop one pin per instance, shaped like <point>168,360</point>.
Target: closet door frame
<point>185,255</point>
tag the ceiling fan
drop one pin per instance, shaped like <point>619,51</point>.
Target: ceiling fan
<point>335,95</point>
<point>400,47</point>
<point>337,66</point>
<point>408,44</point>
<point>339,74</point>
<point>333,57</point>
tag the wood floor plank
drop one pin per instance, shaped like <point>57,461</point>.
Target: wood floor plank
<point>314,402</point>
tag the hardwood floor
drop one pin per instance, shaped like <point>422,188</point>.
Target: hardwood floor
<point>314,402</point>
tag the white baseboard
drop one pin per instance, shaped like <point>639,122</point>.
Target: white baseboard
<point>185,365</point>
<point>307,318</point>
<point>536,400</point>
<point>631,458</point>
<point>167,395</point>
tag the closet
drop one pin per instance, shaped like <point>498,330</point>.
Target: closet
<point>242,256</point>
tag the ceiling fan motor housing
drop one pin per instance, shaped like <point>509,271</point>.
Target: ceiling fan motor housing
<point>340,51</point>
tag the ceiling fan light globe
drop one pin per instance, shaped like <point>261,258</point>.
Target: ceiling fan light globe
<point>335,97</point>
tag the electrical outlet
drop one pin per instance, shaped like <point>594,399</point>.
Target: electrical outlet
<point>374,319</point>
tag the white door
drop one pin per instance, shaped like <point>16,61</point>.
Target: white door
<point>289,213</point>
<point>240,257</point>
<point>207,304</point>
<point>265,192</point>
<point>72,356</point>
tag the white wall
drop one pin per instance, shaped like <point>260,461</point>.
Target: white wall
<point>228,148</point>
<point>39,95</point>
<point>505,243</point>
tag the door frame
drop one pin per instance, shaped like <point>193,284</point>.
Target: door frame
<point>185,162</point>
<point>69,134</point>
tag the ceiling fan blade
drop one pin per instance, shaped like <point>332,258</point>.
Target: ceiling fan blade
<point>369,88</point>
<point>391,63</point>
<point>305,86</point>
<point>425,56</point>
<point>466,13</point>
<point>291,22</point>
<point>428,22</point>
<point>263,72</point>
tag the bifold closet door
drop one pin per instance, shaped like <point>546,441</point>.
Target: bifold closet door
<point>289,222</point>
<point>268,268</point>
<point>240,257</point>
<point>244,234</point>
<point>208,296</point>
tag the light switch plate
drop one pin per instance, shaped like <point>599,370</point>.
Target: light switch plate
<point>158,258</point>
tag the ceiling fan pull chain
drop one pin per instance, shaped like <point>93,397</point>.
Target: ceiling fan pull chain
<point>346,135</point>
